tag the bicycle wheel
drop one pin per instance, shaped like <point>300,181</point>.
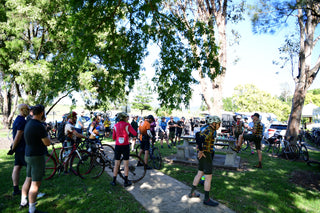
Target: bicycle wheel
<point>304,152</point>
<point>156,158</point>
<point>75,159</point>
<point>245,145</point>
<point>136,172</point>
<point>276,148</point>
<point>108,151</point>
<point>51,167</point>
<point>90,166</point>
<point>266,145</point>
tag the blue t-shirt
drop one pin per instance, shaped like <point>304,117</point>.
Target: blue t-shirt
<point>163,126</point>
<point>19,124</point>
<point>33,133</point>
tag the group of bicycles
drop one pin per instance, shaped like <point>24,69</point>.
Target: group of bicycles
<point>90,158</point>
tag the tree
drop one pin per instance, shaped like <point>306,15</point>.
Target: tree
<point>143,96</point>
<point>200,19</point>
<point>313,96</point>
<point>270,16</point>
<point>248,98</point>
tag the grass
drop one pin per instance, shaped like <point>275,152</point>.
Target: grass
<point>247,190</point>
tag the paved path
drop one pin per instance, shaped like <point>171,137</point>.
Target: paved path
<point>160,193</point>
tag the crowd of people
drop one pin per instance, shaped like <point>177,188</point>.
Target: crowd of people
<point>30,141</point>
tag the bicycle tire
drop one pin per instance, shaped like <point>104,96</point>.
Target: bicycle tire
<point>50,168</point>
<point>75,159</point>
<point>135,173</point>
<point>156,158</point>
<point>245,145</point>
<point>276,148</point>
<point>108,152</point>
<point>90,166</point>
<point>304,152</point>
<point>267,146</point>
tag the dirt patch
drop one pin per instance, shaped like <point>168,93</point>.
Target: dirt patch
<point>306,179</point>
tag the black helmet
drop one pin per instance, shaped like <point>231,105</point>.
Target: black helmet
<point>150,117</point>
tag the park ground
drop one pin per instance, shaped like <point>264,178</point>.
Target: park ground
<point>281,186</point>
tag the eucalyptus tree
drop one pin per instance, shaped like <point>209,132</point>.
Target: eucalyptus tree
<point>206,23</point>
<point>270,16</point>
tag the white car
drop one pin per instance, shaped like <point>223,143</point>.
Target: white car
<point>279,128</point>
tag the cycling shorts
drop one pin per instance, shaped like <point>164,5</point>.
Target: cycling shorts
<point>145,143</point>
<point>36,167</point>
<point>205,164</point>
<point>122,150</point>
<point>255,139</point>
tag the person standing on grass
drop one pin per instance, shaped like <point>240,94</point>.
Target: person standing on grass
<point>18,146</point>
<point>237,128</point>
<point>144,136</point>
<point>162,132</point>
<point>172,130</point>
<point>179,128</point>
<point>120,134</point>
<point>37,140</point>
<point>205,145</point>
<point>256,137</point>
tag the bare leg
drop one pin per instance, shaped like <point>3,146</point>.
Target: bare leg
<point>116,168</point>
<point>16,175</point>
<point>207,182</point>
<point>126,167</point>
<point>146,153</point>
<point>34,188</point>
<point>197,178</point>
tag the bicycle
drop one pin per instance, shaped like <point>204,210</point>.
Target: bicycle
<point>154,159</point>
<point>302,151</point>
<point>290,151</point>
<point>93,164</point>
<point>57,162</point>
<point>272,144</point>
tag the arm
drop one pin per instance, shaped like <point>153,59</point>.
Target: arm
<point>114,137</point>
<point>46,141</point>
<point>78,135</point>
<point>149,133</point>
<point>17,139</point>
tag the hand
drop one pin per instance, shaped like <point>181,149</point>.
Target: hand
<point>10,152</point>
<point>201,154</point>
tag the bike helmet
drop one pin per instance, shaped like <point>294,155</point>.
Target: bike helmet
<point>150,117</point>
<point>212,119</point>
<point>122,115</point>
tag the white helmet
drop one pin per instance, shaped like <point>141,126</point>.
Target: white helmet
<point>212,119</point>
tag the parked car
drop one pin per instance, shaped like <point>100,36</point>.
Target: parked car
<point>279,128</point>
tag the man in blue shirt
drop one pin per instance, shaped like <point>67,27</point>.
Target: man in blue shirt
<point>18,146</point>
<point>162,132</point>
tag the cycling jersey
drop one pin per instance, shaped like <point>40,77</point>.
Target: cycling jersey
<point>121,133</point>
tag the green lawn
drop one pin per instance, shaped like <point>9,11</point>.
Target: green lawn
<point>248,190</point>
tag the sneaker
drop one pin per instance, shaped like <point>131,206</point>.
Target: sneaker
<point>128,183</point>
<point>16,192</point>
<point>140,164</point>
<point>113,183</point>
<point>259,166</point>
<point>24,206</point>
<point>193,195</point>
<point>210,202</point>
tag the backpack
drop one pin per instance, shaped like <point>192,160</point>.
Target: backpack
<point>61,136</point>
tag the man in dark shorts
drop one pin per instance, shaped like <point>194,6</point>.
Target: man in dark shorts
<point>179,128</point>
<point>205,145</point>
<point>172,130</point>
<point>37,140</point>
<point>145,135</point>
<point>237,127</point>
<point>256,137</point>
<point>18,146</point>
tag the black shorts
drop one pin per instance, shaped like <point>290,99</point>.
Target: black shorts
<point>237,134</point>
<point>145,143</point>
<point>205,164</point>
<point>178,133</point>
<point>107,129</point>
<point>19,159</point>
<point>255,139</point>
<point>122,150</point>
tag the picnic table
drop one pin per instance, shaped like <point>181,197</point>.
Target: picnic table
<point>187,149</point>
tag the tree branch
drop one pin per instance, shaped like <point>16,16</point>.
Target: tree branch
<point>57,102</point>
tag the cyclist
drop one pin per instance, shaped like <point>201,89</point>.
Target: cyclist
<point>256,137</point>
<point>180,126</point>
<point>145,135</point>
<point>205,146</point>
<point>162,132</point>
<point>71,135</point>
<point>121,135</point>
<point>107,124</point>
<point>172,130</point>
<point>237,127</point>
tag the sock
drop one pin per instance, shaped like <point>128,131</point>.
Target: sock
<point>24,200</point>
<point>193,189</point>
<point>206,195</point>
<point>15,188</point>
<point>32,207</point>
<point>114,178</point>
<point>126,179</point>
